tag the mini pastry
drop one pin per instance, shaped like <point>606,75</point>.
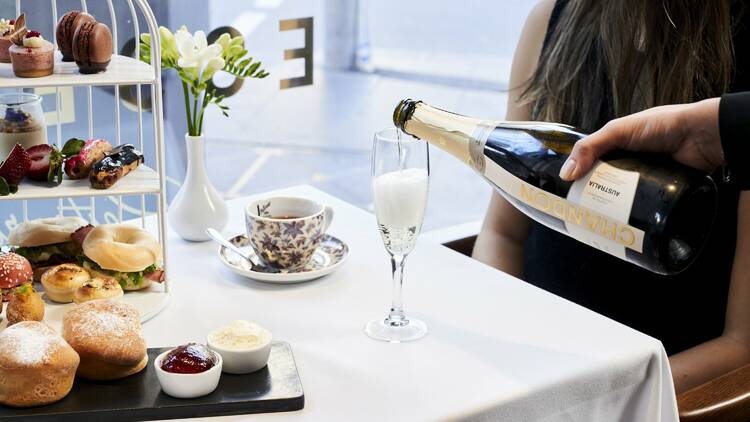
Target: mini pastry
<point>92,47</point>
<point>99,287</point>
<point>32,56</point>
<point>25,305</point>
<point>107,336</point>
<point>116,165</point>
<point>93,150</point>
<point>6,30</point>
<point>61,282</point>
<point>66,29</point>
<point>15,270</point>
<point>36,365</point>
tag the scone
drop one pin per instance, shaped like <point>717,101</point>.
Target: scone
<point>36,365</point>
<point>99,287</point>
<point>107,336</point>
<point>61,282</point>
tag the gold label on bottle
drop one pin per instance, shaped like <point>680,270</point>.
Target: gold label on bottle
<point>596,210</point>
<point>603,231</point>
<point>609,191</point>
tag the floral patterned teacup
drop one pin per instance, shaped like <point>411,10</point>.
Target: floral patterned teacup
<point>285,232</point>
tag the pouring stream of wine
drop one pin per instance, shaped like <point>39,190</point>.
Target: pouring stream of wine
<point>401,157</point>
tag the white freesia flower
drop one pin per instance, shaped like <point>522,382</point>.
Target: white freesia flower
<point>224,41</point>
<point>213,66</point>
<point>168,45</point>
<point>196,63</point>
<point>194,50</point>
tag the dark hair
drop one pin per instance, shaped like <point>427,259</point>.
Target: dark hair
<point>610,58</point>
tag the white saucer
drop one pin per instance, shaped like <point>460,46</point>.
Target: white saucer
<point>330,255</point>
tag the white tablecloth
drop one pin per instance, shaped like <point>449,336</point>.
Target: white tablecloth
<point>498,348</point>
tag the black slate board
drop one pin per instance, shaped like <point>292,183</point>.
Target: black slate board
<point>276,388</point>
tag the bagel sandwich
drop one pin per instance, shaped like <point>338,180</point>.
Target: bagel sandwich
<point>127,253</point>
<point>49,241</point>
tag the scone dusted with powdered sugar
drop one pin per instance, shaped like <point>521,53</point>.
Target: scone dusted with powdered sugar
<point>37,366</point>
<point>107,336</point>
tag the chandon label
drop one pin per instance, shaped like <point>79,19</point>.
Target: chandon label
<point>585,213</point>
<point>609,191</point>
<point>596,210</point>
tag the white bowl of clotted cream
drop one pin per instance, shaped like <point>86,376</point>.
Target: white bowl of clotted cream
<point>244,346</point>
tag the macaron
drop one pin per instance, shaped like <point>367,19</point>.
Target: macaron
<point>66,29</point>
<point>92,47</point>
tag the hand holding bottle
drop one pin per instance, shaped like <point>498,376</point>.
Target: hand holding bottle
<point>689,132</point>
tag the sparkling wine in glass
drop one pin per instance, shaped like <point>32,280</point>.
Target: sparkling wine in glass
<point>400,179</point>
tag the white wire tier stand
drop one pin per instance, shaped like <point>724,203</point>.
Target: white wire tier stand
<point>122,71</point>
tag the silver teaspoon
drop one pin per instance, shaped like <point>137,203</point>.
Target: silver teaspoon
<point>253,260</point>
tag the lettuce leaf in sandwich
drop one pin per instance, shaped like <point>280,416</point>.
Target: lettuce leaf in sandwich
<point>45,255</point>
<point>127,280</point>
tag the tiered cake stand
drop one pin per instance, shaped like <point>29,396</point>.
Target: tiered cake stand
<point>147,180</point>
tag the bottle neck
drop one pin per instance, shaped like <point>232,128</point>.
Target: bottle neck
<point>453,133</point>
<point>464,137</point>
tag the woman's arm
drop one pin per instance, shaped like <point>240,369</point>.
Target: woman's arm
<point>500,241</point>
<point>732,350</point>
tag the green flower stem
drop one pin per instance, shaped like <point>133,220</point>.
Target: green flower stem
<point>195,112</point>
<point>187,108</point>
<point>206,100</point>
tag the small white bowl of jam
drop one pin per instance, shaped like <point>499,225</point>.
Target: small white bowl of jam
<point>243,345</point>
<point>188,371</point>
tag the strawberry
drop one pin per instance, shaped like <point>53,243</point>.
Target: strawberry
<point>46,163</point>
<point>15,166</point>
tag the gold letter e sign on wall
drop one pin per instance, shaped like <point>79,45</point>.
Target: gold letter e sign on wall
<point>305,52</point>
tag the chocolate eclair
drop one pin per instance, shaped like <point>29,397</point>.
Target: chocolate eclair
<point>116,165</point>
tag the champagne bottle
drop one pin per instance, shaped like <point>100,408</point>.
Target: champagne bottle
<point>645,209</point>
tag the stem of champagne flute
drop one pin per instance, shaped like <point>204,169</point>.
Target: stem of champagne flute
<point>396,316</point>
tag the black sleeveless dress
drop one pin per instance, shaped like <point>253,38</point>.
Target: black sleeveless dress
<point>681,310</point>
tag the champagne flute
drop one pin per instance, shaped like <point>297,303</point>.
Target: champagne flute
<point>400,175</point>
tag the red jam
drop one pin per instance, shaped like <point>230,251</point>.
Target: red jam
<point>191,358</point>
<point>32,34</point>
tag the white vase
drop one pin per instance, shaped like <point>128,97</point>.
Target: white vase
<point>197,205</point>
